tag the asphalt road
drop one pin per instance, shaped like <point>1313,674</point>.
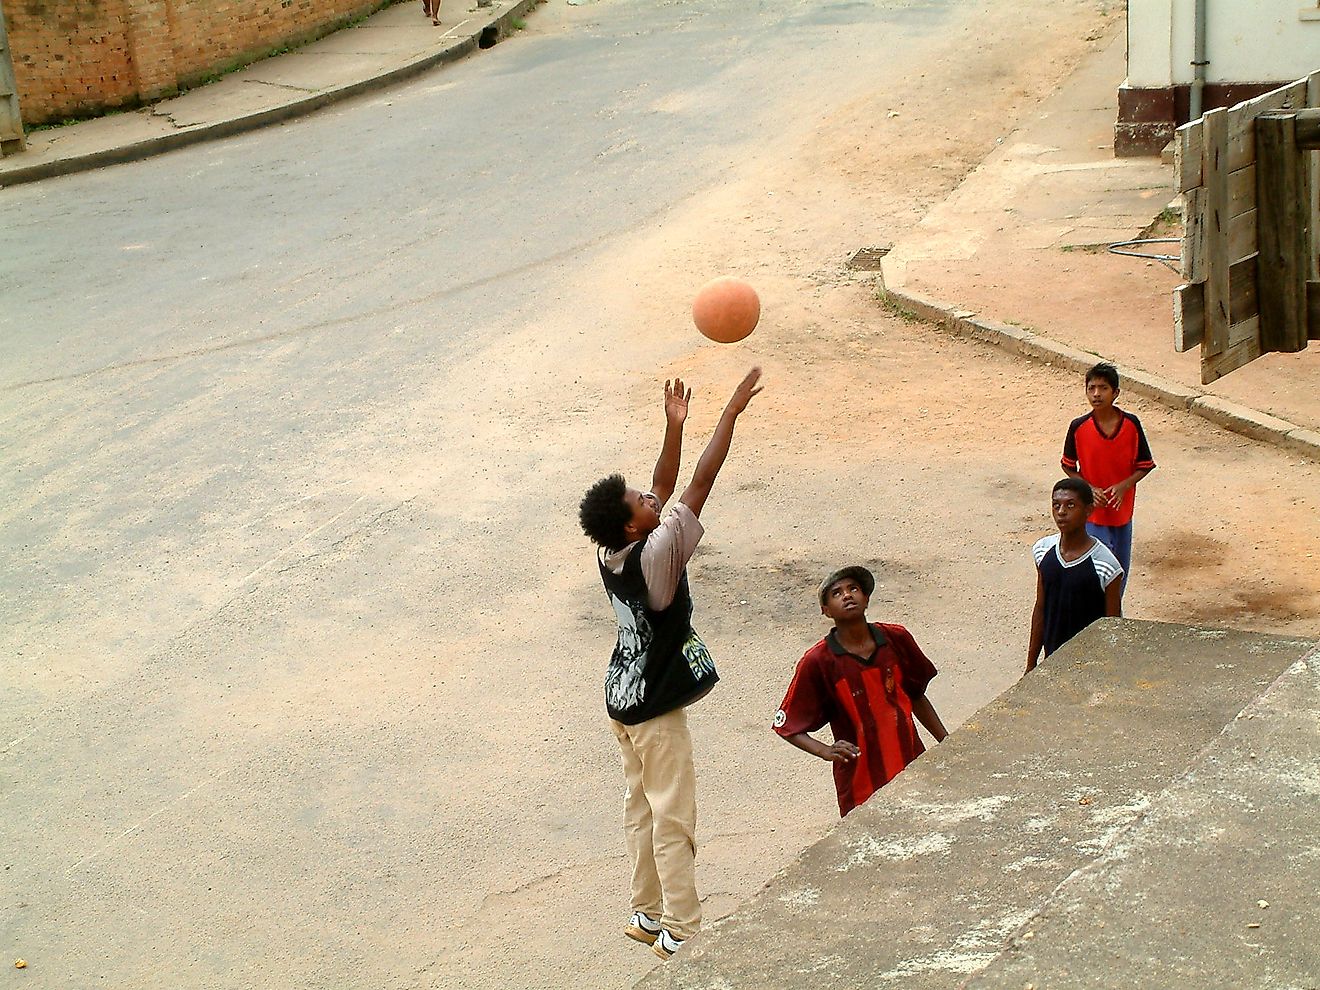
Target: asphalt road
<point>291,576</point>
<point>194,344</point>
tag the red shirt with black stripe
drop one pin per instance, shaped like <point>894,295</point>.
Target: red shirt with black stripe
<point>1105,460</point>
<point>866,701</point>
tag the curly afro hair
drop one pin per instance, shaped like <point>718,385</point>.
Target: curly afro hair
<point>603,513</point>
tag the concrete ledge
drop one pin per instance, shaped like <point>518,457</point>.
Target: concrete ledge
<point>1230,415</point>
<point>1304,442</point>
<point>1051,352</point>
<point>972,850</point>
<point>1161,390</point>
<point>1243,419</point>
<point>262,118</point>
<point>1214,886</point>
<point>919,306</point>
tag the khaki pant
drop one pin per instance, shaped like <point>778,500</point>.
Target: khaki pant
<point>660,819</point>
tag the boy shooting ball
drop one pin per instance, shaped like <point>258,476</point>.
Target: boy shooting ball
<point>868,681</point>
<point>659,665</point>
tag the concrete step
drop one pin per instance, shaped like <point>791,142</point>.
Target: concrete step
<point>936,881</point>
<point>1217,886</point>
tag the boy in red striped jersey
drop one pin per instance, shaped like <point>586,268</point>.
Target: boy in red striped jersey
<point>1107,449</point>
<point>867,680</point>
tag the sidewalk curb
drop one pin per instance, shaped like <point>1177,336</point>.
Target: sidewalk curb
<point>262,118</point>
<point>1224,413</point>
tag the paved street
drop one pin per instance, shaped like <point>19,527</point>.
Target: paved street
<point>300,644</point>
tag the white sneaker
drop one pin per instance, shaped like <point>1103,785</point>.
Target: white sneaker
<point>666,945</point>
<point>642,928</point>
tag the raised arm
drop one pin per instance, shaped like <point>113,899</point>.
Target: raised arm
<point>665,476</point>
<point>712,458</point>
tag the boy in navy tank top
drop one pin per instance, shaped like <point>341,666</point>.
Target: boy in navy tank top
<point>1078,578</point>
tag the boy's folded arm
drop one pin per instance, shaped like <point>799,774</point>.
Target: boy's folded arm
<point>841,751</point>
<point>1131,480</point>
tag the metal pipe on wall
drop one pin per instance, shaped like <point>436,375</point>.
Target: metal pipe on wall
<point>1199,62</point>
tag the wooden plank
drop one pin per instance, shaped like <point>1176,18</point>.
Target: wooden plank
<point>1191,256</point>
<point>1187,156</point>
<point>1283,261</point>
<point>1243,301</point>
<point>1241,229</point>
<point>1240,333</point>
<point>1188,316</point>
<point>1313,310</point>
<point>1240,136</point>
<point>1189,306</point>
<point>1313,162</point>
<point>1242,237</point>
<point>1242,190</point>
<point>1190,137</point>
<point>1308,130</point>
<point>1239,356</point>
<point>1215,171</point>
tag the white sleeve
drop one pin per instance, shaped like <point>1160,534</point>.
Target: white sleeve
<point>1107,567</point>
<point>666,552</point>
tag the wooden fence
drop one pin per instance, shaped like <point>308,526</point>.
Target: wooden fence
<point>1228,257</point>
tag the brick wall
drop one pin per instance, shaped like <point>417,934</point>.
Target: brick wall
<point>76,58</point>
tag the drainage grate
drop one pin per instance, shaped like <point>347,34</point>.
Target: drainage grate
<point>867,259</point>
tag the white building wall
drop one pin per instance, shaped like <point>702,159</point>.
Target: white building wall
<point>1246,41</point>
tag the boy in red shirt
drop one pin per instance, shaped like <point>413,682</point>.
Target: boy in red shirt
<point>867,680</point>
<point>1107,449</point>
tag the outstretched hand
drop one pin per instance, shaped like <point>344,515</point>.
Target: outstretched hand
<point>745,391</point>
<point>676,401</point>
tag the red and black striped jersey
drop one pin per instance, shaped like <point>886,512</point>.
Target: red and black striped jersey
<point>866,701</point>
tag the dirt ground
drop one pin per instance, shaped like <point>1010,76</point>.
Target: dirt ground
<point>877,440</point>
<point>386,748</point>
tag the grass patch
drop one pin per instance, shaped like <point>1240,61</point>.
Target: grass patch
<point>52,125</point>
<point>1167,223</point>
<point>893,307</point>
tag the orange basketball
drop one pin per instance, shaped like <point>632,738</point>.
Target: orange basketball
<point>726,309</point>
